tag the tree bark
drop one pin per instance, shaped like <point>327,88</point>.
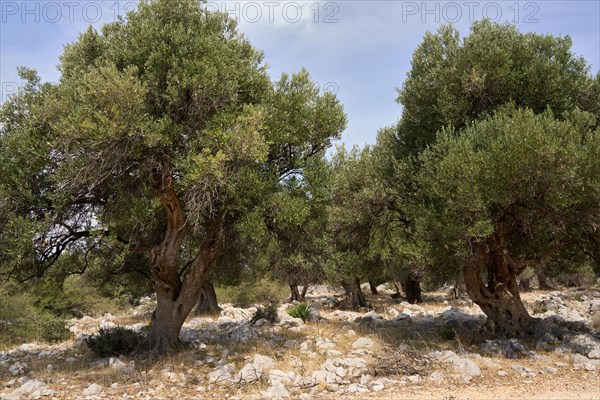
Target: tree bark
<point>176,298</point>
<point>354,297</point>
<point>396,295</point>
<point>304,290</point>
<point>296,296</point>
<point>499,299</point>
<point>412,289</point>
<point>207,301</point>
<point>372,286</point>
<point>540,273</point>
<point>525,284</point>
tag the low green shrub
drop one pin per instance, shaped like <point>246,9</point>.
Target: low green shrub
<point>300,310</point>
<point>114,341</point>
<point>448,332</point>
<point>54,330</point>
<point>252,292</point>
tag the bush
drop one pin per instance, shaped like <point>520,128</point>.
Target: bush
<point>300,310</point>
<point>448,332</point>
<point>248,293</point>
<point>75,297</point>
<point>269,313</point>
<point>54,331</point>
<point>114,341</point>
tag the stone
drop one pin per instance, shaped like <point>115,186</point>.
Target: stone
<point>237,314</point>
<point>325,377</point>
<point>33,389</point>
<point>594,306</point>
<point>306,345</point>
<point>363,343</point>
<point>92,390</point>
<point>263,362</point>
<point>119,365</point>
<point>583,344</point>
<point>352,362</point>
<point>402,317</point>
<point>290,343</point>
<point>333,387</point>
<point>249,373</point>
<point>222,374</point>
<point>282,376</point>
<point>313,315</point>
<point>370,317</point>
<point>377,386</point>
<point>414,378</point>
<point>551,370</point>
<point>436,377</point>
<point>464,365</point>
<point>468,367</point>
<point>17,368</point>
<point>276,391</point>
<point>325,345</point>
<point>242,334</point>
<point>334,367</point>
<point>509,348</point>
<point>225,321</point>
<point>520,368</point>
<point>502,373</point>
<point>328,302</point>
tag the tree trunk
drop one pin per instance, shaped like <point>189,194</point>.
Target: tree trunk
<point>412,289</point>
<point>373,287</point>
<point>354,297</point>
<point>304,290</point>
<point>295,293</point>
<point>525,284</point>
<point>396,295</point>
<point>540,273</point>
<point>176,298</point>
<point>499,299</point>
<point>207,301</point>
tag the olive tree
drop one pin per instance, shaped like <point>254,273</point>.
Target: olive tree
<point>456,81</point>
<point>164,129</point>
<point>505,193</point>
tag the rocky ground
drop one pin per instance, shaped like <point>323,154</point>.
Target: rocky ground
<point>435,350</point>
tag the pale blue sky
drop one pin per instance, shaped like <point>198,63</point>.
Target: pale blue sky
<point>359,49</point>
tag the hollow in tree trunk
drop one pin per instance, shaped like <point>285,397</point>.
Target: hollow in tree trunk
<point>354,297</point>
<point>412,289</point>
<point>295,296</point>
<point>207,301</point>
<point>373,287</point>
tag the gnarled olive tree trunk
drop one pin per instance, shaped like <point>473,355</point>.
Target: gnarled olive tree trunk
<point>295,293</point>
<point>372,286</point>
<point>540,273</point>
<point>354,297</point>
<point>499,299</point>
<point>176,298</point>
<point>412,288</point>
<point>207,301</point>
<point>304,290</point>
